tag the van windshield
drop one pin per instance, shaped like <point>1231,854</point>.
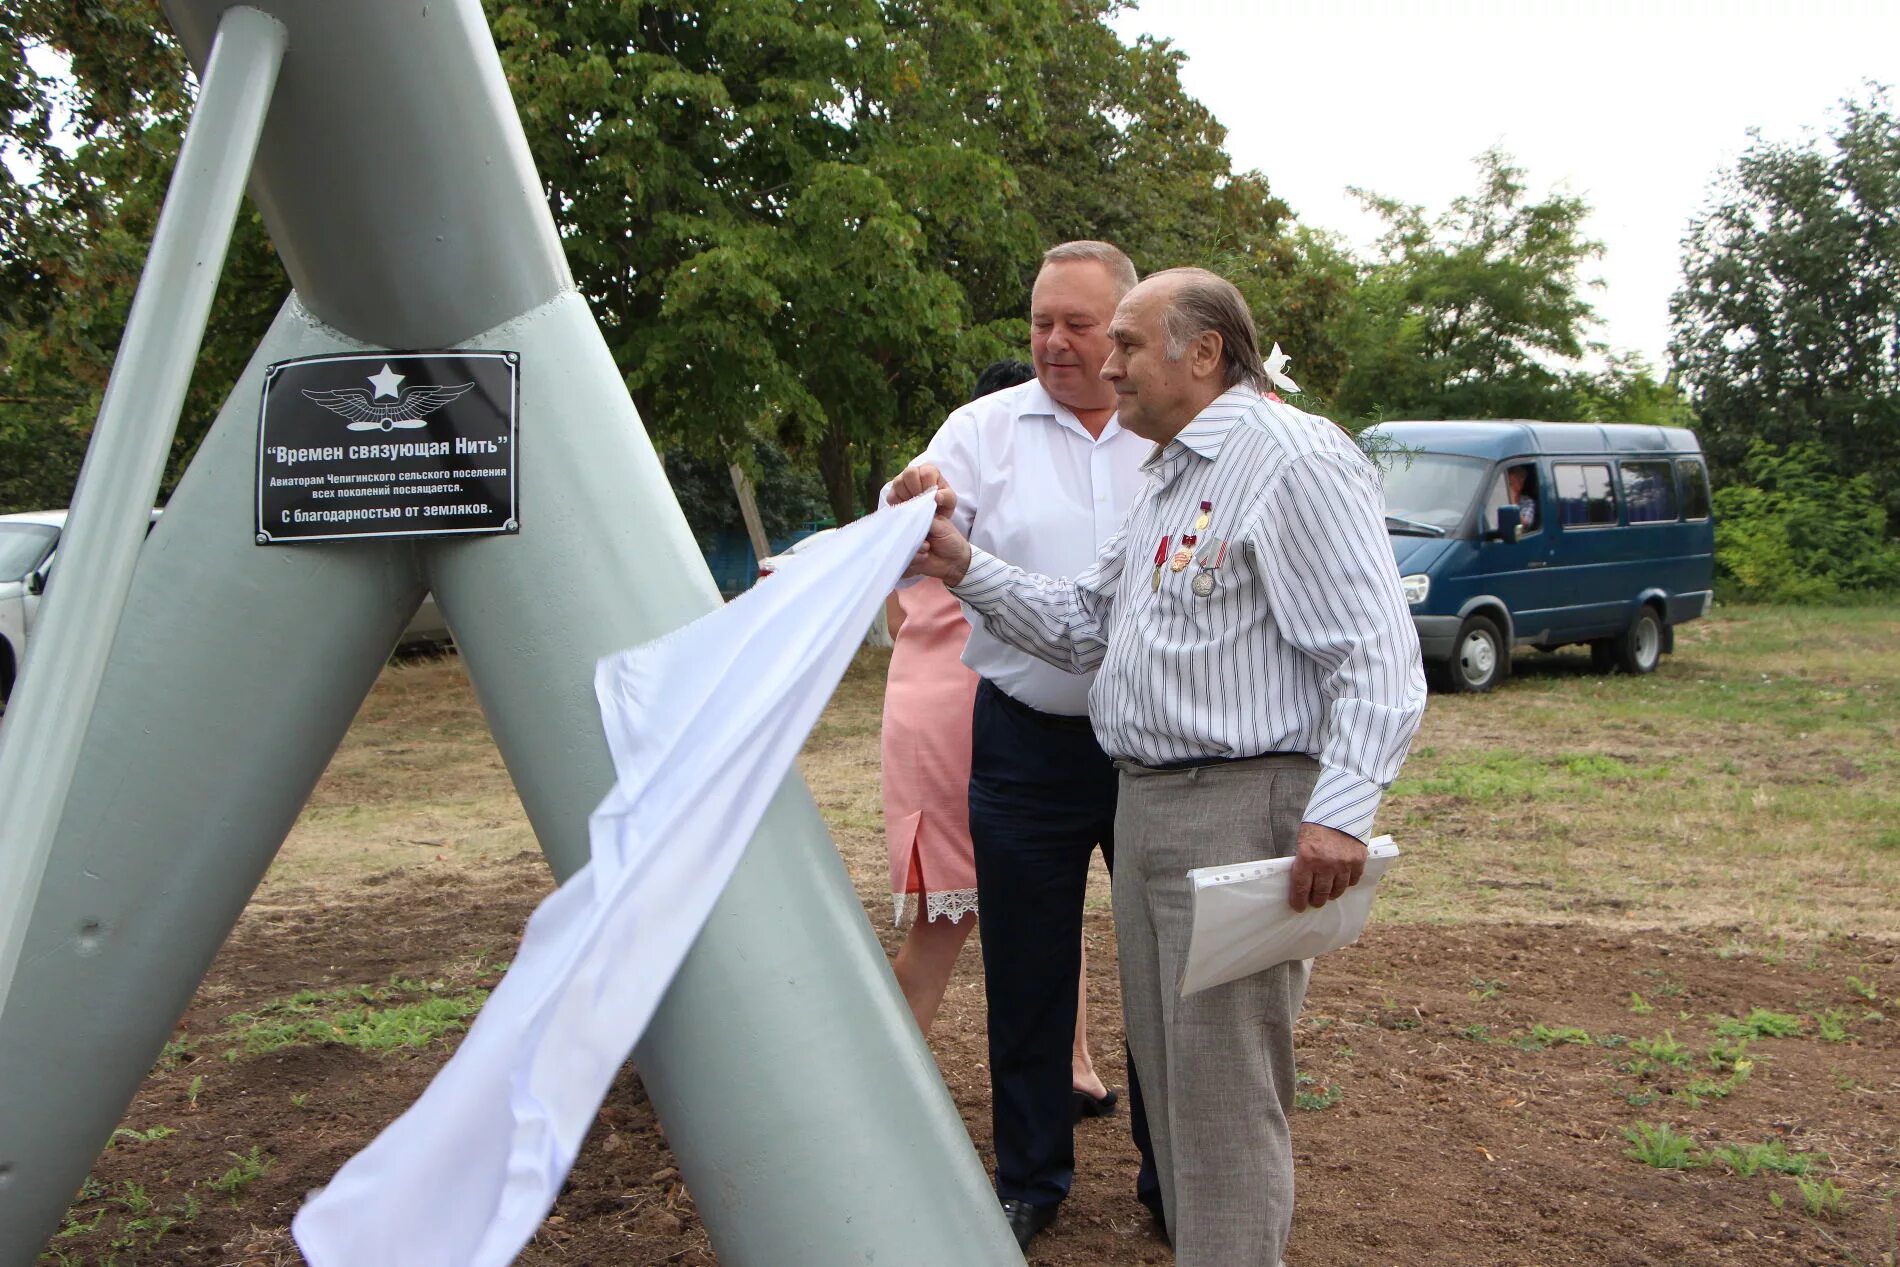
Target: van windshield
<point>1429,493</point>
<point>22,546</point>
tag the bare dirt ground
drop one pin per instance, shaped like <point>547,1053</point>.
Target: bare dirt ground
<point>1475,1068</point>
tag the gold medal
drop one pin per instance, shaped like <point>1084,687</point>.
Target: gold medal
<point>1182,557</point>
<point>1207,517</point>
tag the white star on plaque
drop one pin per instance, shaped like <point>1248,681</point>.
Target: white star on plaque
<point>385,382</point>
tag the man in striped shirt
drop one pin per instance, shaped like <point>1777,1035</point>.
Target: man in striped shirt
<point>1258,684</point>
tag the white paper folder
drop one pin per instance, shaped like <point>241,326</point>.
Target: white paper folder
<point>1243,925</point>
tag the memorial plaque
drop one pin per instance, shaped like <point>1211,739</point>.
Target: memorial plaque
<point>387,444</point>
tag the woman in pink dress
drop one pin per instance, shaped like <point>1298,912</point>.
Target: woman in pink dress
<point>928,700</point>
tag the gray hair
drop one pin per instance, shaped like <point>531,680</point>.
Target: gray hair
<point>1120,268</point>
<point>1199,301</point>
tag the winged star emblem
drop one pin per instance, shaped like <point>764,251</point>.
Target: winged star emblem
<point>404,411</point>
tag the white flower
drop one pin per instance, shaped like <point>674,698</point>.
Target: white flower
<point>1276,363</point>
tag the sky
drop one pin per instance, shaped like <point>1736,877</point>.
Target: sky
<point>1634,106</point>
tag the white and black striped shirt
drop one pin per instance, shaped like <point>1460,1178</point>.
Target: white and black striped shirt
<point>1298,640</point>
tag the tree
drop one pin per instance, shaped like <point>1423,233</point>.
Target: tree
<point>1787,324</point>
<point>802,223</point>
<point>101,143</point>
<point>1126,155</point>
<point>1462,316</point>
<point>781,210</point>
<point>1627,390</point>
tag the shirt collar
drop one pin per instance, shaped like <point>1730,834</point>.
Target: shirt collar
<point>1209,429</point>
<point>1035,401</point>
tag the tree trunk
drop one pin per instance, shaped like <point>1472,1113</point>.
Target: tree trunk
<point>834,468</point>
<point>749,511</point>
<point>876,474</point>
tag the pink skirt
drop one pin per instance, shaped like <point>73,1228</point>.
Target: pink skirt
<point>928,698</point>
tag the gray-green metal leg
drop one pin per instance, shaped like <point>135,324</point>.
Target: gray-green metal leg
<point>234,675</point>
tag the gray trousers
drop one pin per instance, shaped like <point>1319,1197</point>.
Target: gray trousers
<point>1216,1066</point>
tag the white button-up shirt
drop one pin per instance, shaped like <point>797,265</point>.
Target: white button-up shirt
<point>1034,487</point>
<point>1283,631</point>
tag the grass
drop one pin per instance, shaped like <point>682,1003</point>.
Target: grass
<point>400,1013</point>
<point>1607,798</point>
<point>1759,1023</point>
<point>1658,1145</point>
<point>248,1168</point>
<point>1773,1156</point>
<point>1564,795</point>
<point>1315,1097</point>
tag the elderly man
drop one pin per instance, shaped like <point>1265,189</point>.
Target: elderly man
<point>1258,684</point>
<point>1046,473</point>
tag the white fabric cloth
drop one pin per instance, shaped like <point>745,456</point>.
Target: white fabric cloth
<point>1248,605</point>
<point>1243,925</point>
<point>1035,488</point>
<point>703,725</point>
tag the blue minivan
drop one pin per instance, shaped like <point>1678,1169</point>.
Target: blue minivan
<point>1545,534</point>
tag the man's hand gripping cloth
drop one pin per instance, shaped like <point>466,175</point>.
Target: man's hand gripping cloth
<point>703,725</point>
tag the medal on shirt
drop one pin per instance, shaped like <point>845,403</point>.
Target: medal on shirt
<point>1211,559</point>
<point>1185,554</point>
<point>1206,517</point>
<point>1161,561</point>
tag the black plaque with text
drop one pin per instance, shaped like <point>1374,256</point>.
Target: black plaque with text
<point>387,444</point>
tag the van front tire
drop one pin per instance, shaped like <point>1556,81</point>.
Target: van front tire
<point>1479,658</point>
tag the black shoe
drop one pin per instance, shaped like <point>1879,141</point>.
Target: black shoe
<point>1025,1220</point>
<point>1160,1219</point>
<point>1087,1105</point>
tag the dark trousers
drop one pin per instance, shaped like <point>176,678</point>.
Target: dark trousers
<point>1042,797</point>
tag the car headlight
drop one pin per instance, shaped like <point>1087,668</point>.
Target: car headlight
<point>1416,587</point>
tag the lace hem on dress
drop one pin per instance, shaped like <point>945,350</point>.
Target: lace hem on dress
<point>951,904</point>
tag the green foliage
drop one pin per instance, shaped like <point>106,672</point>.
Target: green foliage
<point>1783,329</point>
<point>1627,390</point>
<point>1747,1160</point>
<point>1659,1052</point>
<point>1821,1198</point>
<point>789,497</point>
<point>1831,1027</point>
<point>380,1023</point>
<point>248,1168</point>
<point>1542,1036</point>
<point>1639,1006</point>
<point>1315,1097</point>
<point>1796,530</point>
<point>1459,316</point>
<point>803,224</point>
<point>1658,1145</point>
<point>1759,1023</point>
<point>99,143</point>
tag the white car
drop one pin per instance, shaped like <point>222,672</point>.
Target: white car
<point>29,544</point>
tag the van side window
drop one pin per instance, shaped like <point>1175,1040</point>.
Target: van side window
<point>1649,490</point>
<point>1584,496</point>
<point>1695,488</point>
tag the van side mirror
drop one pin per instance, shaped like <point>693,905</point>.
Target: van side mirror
<point>1510,519</point>
<point>36,581</point>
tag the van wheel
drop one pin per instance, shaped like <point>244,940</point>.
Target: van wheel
<point>1639,650</point>
<point>1479,658</point>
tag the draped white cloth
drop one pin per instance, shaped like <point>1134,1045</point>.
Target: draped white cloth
<point>703,725</point>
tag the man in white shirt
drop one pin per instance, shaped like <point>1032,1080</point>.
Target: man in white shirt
<point>1259,683</point>
<point>1049,473</point>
